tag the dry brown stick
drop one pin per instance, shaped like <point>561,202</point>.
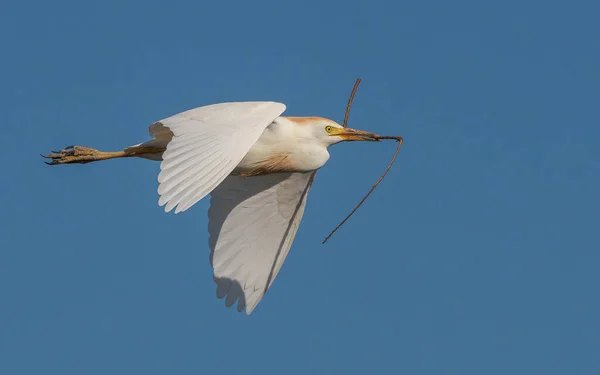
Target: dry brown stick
<point>350,102</point>
<point>399,140</point>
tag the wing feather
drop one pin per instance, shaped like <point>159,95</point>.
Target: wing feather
<point>252,224</point>
<point>207,144</point>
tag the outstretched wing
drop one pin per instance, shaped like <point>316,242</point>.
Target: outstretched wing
<point>207,144</point>
<point>252,224</point>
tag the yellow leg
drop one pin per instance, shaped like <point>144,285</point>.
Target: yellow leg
<point>83,155</point>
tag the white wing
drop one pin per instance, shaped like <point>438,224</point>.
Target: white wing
<point>208,143</point>
<point>252,224</point>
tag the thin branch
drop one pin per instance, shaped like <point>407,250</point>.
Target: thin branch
<point>350,102</point>
<point>400,140</point>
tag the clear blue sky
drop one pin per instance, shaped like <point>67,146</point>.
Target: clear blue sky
<point>477,255</point>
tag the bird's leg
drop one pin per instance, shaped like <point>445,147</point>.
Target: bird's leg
<point>83,155</point>
<point>80,155</point>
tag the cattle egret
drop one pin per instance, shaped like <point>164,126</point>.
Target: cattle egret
<point>257,166</point>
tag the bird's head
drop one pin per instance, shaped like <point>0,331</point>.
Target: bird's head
<point>330,132</point>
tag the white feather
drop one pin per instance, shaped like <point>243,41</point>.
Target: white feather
<point>252,224</point>
<point>207,144</point>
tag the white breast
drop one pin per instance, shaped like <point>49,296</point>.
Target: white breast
<point>285,140</point>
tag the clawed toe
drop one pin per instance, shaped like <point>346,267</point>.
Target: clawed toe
<point>71,154</point>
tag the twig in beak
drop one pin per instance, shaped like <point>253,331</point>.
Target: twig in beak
<point>350,102</point>
<point>399,140</point>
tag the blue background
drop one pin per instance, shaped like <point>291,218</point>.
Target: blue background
<point>477,255</point>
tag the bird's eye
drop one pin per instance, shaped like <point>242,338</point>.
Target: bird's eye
<point>328,129</point>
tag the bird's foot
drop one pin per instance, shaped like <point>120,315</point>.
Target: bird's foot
<point>73,154</point>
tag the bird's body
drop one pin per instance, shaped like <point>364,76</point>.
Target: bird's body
<point>258,167</point>
<point>286,145</point>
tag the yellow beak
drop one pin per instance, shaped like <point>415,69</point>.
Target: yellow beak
<point>348,134</point>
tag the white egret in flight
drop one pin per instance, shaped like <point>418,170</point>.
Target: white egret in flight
<point>257,166</point>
